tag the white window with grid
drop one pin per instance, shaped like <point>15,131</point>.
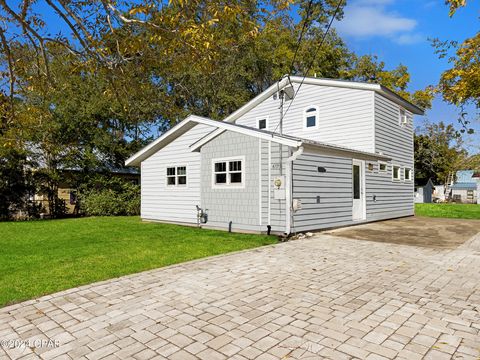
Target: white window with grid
<point>228,173</point>
<point>176,176</point>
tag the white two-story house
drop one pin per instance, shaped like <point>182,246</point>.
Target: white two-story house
<point>305,154</point>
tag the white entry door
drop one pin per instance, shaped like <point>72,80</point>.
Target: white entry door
<point>358,189</point>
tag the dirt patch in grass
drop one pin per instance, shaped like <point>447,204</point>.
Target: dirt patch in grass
<point>414,230</point>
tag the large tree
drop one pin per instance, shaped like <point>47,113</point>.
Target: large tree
<point>460,84</point>
<point>125,70</point>
<point>439,153</point>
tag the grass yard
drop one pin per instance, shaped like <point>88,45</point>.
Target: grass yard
<point>456,211</point>
<point>42,257</point>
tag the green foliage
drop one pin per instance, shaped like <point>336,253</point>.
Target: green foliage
<point>459,85</point>
<point>42,257</point>
<point>455,4</point>
<point>15,183</point>
<point>109,197</point>
<point>455,211</point>
<point>439,153</point>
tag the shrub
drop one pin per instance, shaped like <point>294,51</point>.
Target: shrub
<point>110,197</point>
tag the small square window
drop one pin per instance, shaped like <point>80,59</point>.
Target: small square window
<point>382,167</point>
<point>407,174</point>
<point>228,173</point>
<point>403,119</point>
<point>177,176</point>
<point>311,121</point>
<point>396,173</point>
<point>262,124</point>
<point>310,115</point>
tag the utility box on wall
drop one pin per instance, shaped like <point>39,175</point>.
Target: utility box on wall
<point>297,205</point>
<point>279,187</point>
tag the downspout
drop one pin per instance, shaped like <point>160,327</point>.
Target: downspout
<point>289,188</point>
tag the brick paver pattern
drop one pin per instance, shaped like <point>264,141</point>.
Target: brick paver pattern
<point>319,298</point>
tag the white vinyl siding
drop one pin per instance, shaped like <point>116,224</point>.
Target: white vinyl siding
<point>345,116</point>
<point>173,203</point>
<point>388,198</point>
<point>326,196</point>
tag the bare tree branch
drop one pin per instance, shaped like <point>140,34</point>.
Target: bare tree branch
<point>11,71</point>
<point>70,24</point>
<point>26,26</point>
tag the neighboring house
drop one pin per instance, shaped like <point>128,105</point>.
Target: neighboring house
<point>342,155</point>
<point>68,193</point>
<point>67,188</point>
<point>466,187</point>
<point>424,191</point>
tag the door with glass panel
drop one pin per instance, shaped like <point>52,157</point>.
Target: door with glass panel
<point>358,191</point>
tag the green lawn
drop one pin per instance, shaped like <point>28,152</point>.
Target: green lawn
<point>42,257</point>
<point>458,211</point>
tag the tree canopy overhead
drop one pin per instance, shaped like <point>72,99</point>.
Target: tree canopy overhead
<point>183,56</point>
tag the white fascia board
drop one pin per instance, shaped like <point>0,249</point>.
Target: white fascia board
<point>257,100</point>
<point>151,148</point>
<point>224,126</point>
<point>336,83</point>
<point>389,94</point>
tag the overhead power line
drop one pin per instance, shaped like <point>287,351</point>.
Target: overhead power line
<point>304,28</point>
<point>339,4</point>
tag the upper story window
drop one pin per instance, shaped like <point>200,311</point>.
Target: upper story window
<point>228,172</point>
<point>262,123</point>
<point>382,166</point>
<point>407,174</point>
<point>395,172</point>
<point>310,117</point>
<point>176,176</point>
<point>402,117</point>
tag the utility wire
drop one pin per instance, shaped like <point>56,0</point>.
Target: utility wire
<point>299,41</point>
<point>339,4</point>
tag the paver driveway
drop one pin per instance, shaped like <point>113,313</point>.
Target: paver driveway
<point>324,297</point>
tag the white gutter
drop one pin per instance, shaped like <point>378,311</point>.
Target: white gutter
<point>289,189</point>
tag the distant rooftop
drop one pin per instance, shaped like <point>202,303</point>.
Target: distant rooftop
<point>467,176</point>
<point>465,186</point>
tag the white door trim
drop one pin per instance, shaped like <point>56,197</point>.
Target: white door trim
<point>359,206</point>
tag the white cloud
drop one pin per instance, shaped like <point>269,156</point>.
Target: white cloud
<point>408,39</point>
<point>370,18</point>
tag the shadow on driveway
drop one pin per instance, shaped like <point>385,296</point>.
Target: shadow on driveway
<point>414,230</point>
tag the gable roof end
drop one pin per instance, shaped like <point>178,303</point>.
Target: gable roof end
<point>382,90</point>
<point>169,135</point>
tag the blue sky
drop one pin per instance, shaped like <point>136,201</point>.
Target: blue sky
<point>398,31</point>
